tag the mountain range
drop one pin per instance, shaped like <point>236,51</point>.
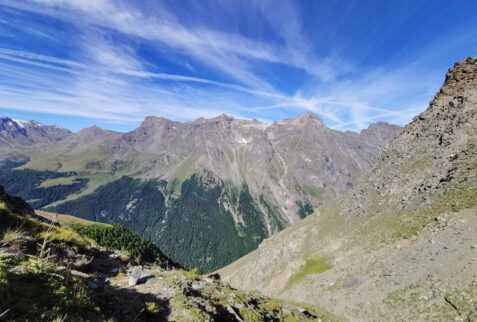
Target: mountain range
<point>19,133</point>
<point>206,192</point>
<point>402,242</point>
<point>389,214</point>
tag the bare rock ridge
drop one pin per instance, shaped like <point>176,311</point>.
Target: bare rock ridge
<point>17,132</point>
<point>401,243</point>
<point>436,152</point>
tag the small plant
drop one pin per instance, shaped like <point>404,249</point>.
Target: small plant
<point>43,249</point>
<point>192,274</point>
<point>7,261</point>
<point>38,265</point>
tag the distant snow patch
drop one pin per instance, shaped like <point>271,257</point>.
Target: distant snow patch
<point>20,123</point>
<point>243,141</point>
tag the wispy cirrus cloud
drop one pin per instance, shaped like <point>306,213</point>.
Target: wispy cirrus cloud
<point>121,61</point>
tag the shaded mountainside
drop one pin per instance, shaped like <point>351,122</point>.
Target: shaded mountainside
<point>215,187</point>
<point>193,229</point>
<point>402,242</point>
<point>15,204</point>
<point>90,272</point>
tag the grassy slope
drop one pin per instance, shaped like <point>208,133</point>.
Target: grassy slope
<point>67,219</point>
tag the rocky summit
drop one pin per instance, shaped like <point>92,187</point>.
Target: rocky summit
<point>17,132</point>
<point>401,242</point>
<point>221,185</point>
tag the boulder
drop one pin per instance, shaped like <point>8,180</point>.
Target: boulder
<point>134,277</point>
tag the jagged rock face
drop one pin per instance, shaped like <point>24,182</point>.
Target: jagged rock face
<point>394,222</point>
<point>16,132</point>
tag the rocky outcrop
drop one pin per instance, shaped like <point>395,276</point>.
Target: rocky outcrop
<point>434,156</point>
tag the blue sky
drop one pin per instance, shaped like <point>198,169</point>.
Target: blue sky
<point>76,63</point>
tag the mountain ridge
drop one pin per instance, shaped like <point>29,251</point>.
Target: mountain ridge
<point>261,176</point>
<point>13,131</point>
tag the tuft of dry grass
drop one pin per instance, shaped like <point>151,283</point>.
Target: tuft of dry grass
<point>13,236</point>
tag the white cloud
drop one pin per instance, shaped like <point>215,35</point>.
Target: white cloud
<point>108,80</point>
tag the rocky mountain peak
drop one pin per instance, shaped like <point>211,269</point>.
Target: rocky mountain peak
<point>156,121</point>
<point>453,107</point>
<point>18,132</point>
<point>460,76</point>
<point>223,118</point>
<point>436,152</point>
<point>381,130</point>
<point>304,119</point>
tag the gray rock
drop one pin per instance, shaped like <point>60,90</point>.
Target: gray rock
<point>299,310</point>
<point>68,253</point>
<point>350,282</point>
<point>196,286</point>
<point>80,274</point>
<point>134,277</point>
<point>232,311</point>
<point>17,270</point>
<point>183,279</point>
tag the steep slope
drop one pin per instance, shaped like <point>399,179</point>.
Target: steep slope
<point>90,272</point>
<point>240,181</point>
<point>402,242</point>
<point>17,132</point>
<point>15,204</point>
